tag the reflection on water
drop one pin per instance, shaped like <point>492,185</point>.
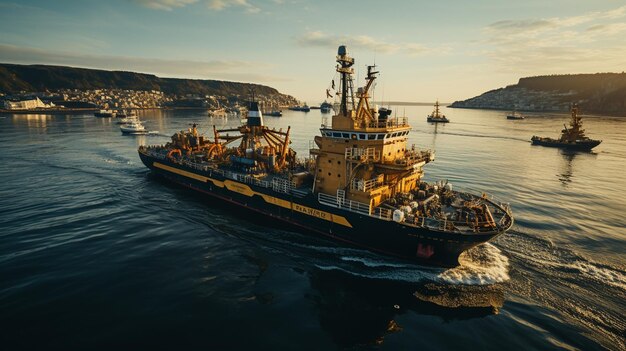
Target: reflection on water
<point>358,311</point>
<point>32,121</point>
<point>566,171</point>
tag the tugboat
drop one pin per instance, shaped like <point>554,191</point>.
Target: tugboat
<point>360,186</point>
<point>437,117</point>
<point>572,138</point>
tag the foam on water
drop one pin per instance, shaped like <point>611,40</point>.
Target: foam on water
<point>374,263</point>
<point>606,275</point>
<point>482,265</point>
<point>397,275</point>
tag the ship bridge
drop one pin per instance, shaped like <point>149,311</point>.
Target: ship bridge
<point>362,155</point>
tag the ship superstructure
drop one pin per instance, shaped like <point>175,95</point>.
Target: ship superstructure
<point>361,183</point>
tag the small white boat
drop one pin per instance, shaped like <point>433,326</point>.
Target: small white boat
<point>133,128</point>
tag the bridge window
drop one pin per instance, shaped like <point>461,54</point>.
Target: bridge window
<point>361,136</point>
<point>345,135</point>
<point>371,136</point>
<point>381,136</point>
<point>336,135</point>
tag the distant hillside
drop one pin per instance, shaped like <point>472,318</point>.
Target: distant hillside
<point>32,78</point>
<point>601,93</point>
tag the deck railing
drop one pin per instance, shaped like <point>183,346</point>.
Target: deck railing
<point>340,202</point>
<point>362,154</point>
<point>282,185</point>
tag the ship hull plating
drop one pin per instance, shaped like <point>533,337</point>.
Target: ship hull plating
<point>383,236</point>
<point>585,145</point>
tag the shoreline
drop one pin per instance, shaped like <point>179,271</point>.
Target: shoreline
<point>587,113</point>
<point>58,111</point>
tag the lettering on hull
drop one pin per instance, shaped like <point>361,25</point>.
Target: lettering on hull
<point>244,189</point>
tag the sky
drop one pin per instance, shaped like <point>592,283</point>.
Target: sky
<point>425,50</point>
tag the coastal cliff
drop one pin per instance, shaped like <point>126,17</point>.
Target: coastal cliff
<point>601,93</point>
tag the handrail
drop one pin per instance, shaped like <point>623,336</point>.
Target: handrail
<point>340,202</point>
<point>362,154</point>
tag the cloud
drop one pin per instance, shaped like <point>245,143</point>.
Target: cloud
<point>510,25</point>
<point>216,5</point>
<point>215,69</point>
<point>592,42</point>
<point>219,5</point>
<point>167,5</point>
<point>321,39</point>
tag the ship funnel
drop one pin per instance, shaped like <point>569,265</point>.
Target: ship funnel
<point>255,117</point>
<point>342,51</point>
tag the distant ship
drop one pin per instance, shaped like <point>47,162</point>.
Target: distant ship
<point>274,113</point>
<point>303,108</point>
<point>361,184</point>
<point>125,114</point>
<point>326,107</point>
<point>104,113</point>
<point>436,116</point>
<point>514,115</point>
<point>572,138</point>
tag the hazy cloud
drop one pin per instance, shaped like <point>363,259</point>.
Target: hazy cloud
<point>591,41</point>
<point>510,25</point>
<point>321,39</point>
<point>216,5</point>
<point>214,69</point>
<point>167,5</point>
<point>219,5</point>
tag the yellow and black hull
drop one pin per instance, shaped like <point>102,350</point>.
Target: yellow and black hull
<point>307,213</point>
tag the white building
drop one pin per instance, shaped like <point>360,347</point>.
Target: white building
<point>26,104</point>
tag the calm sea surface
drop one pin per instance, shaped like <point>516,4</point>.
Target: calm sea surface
<point>97,253</point>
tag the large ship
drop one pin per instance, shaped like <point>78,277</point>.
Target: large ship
<point>572,138</point>
<point>361,184</point>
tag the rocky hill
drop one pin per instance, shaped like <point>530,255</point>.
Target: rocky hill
<point>38,78</point>
<point>601,93</point>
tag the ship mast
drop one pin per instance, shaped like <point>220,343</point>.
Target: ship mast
<point>344,68</point>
